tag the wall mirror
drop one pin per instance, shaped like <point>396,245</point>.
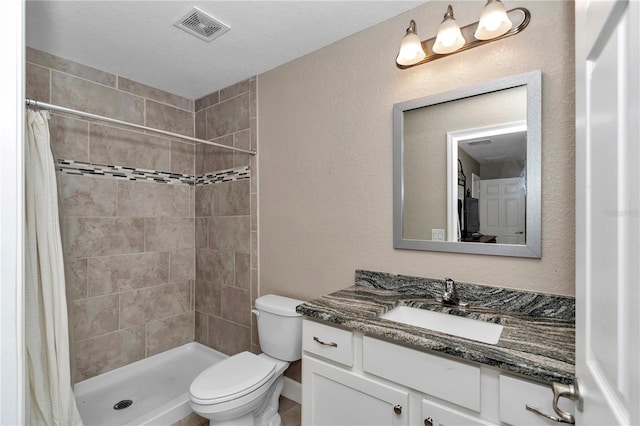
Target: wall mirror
<point>467,169</point>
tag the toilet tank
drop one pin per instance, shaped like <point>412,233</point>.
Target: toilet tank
<point>279,327</point>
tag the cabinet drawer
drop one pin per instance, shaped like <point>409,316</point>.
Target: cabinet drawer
<point>434,414</point>
<point>328,342</point>
<point>516,394</point>
<point>453,381</point>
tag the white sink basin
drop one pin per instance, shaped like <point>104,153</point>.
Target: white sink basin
<point>468,328</point>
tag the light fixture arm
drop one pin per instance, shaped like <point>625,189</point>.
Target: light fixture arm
<point>518,14</point>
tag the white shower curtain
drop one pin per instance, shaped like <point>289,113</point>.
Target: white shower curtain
<point>50,400</point>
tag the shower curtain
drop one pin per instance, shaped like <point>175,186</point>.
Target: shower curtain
<point>50,400</point>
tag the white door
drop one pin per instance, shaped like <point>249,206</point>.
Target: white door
<point>608,211</point>
<point>502,208</point>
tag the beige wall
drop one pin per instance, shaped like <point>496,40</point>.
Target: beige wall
<point>325,161</point>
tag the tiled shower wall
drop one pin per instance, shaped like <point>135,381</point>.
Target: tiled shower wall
<point>130,245</point>
<point>226,225</point>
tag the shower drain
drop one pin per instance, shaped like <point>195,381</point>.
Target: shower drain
<point>121,405</point>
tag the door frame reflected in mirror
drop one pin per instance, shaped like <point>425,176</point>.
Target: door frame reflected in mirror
<point>453,144</point>
<point>533,82</point>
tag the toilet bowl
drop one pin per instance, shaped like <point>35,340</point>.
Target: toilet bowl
<point>244,389</point>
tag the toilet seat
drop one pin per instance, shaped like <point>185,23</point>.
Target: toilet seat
<point>231,378</point>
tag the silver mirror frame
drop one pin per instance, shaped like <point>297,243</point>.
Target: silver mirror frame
<point>533,247</point>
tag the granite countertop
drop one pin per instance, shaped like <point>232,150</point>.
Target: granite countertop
<point>537,339</point>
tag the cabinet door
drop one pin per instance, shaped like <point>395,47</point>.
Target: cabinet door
<point>335,396</point>
<point>516,394</point>
<point>435,414</point>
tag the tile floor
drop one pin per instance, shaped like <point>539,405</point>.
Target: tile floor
<point>289,412</point>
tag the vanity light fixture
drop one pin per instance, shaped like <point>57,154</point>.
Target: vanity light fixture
<point>449,38</point>
<point>494,21</point>
<point>411,51</point>
<point>495,24</point>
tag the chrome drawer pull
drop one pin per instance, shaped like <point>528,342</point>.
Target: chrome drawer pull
<point>332,344</point>
<point>546,416</point>
<point>561,390</point>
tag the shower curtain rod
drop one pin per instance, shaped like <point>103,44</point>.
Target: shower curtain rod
<point>32,103</point>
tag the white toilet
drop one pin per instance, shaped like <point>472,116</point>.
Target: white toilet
<point>244,389</point>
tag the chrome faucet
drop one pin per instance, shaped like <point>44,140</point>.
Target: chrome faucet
<point>450,296</point>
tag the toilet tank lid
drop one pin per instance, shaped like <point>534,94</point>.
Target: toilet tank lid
<point>278,305</point>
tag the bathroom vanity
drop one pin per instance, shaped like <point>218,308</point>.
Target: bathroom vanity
<point>359,368</point>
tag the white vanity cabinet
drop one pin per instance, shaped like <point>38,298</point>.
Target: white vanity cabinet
<point>334,393</point>
<point>351,379</point>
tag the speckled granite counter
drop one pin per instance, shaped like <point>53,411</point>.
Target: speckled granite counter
<point>537,339</point>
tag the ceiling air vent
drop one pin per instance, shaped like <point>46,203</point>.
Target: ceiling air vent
<point>201,24</point>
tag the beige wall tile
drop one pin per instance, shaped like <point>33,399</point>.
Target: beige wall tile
<point>151,303</point>
<point>109,351</point>
<point>86,96</point>
<point>165,117</point>
<point>155,94</point>
<point>88,196</point>
<point>75,273</point>
<point>236,305</point>
<point>228,117</point>
<point>111,145</point>
<point>230,233</point>
<point>234,198</point>
<point>254,212</point>
<point>207,297</point>
<point>214,159</point>
<point>183,158</point>
<point>234,90</point>
<point>192,201</point>
<point>215,266</point>
<point>69,138</point>
<point>242,140</point>
<point>166,234</point>
<point>228,337</point>
<point>201,124</point>
<point>294,371</point>
<point>206,199</point>
<point>254,175</point>
<point>151,199</point>
<point>253,102</point>
<point>202,233</point>
<point>37,83</point>
<point>242,271</point>
<point>102,236</point>
<point>54,62</point>
<point>183,265</point>
<point>94,316</point>
<point>254,134</point>
<point>201,328</point>
<point>111,274</point>
<point>207,101</point>
<point>169,333</point>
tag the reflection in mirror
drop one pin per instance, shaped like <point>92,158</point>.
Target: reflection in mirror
<point>487,184</point>
<point>467,169</point>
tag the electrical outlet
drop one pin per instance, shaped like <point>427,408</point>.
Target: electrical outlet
<point>437,234</point>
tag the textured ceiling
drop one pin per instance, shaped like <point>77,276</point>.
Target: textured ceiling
<point>137,39</point>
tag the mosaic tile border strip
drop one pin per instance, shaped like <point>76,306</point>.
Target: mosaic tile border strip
<point>80,168</point>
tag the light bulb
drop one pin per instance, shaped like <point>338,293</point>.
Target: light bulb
<point>411,51</point>
<point>494,21</point>
<point>449,38</point>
